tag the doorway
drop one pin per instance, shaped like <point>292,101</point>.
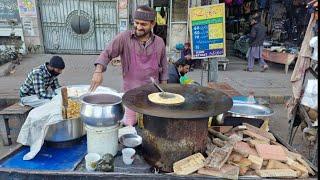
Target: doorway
<point>161,28</point>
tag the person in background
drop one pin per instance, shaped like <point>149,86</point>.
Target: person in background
<point>178,69</point>
<point>143,55</point>
<point>257,36</point>
<point>186,54</point>
<point>41,83</point>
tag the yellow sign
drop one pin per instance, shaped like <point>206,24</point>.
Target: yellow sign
<point>207,27</point>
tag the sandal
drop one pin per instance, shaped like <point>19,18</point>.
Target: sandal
<point>264,69</point>
<point>247,69</point>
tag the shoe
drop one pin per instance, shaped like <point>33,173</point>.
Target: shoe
<point>264,69</point>
<point>247,69</point>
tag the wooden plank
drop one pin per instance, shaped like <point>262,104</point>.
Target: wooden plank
<point>303,162</point>
<point>15,109</point>
<point>280,173</point>
<point>227,171</point>
<point>274,164</point>
<point>189,164</point>
<point>274,152</point>
<point>260,132</point>
<point>290,148</point>
<point>256,162</point>
<point>297,166</point>
<point>218,157</point>
<point>255,135</point>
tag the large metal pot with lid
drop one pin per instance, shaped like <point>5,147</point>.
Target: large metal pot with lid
<point>101,110</point>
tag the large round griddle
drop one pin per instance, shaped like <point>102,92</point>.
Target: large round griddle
<point>200,102</point>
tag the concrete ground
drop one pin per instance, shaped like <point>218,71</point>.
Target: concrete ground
<point>79,68</point>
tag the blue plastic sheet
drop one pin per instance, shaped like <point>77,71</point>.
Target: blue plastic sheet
<point>49,158</point>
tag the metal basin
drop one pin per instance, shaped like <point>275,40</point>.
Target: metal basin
<point>101,110</point>
<point>66,130</point>
<point>250,110</point>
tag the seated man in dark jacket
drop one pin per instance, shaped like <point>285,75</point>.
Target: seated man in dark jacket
<point>41,83</point>
<point>178,69</point>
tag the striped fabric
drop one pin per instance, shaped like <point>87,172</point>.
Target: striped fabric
<point>37,83</point>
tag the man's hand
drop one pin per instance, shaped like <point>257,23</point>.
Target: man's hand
<point>97,78</point>
<point>188,57</point>
<point>96,81</point>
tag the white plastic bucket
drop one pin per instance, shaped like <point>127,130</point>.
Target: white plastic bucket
<point>102,140</point>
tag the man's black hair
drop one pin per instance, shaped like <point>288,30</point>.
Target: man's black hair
<point>181,62</point>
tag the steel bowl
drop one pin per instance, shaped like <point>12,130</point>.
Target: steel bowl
<point>250,110</point>
<point>101,110</point>
<point>66,130</point>
<point>130,140</point>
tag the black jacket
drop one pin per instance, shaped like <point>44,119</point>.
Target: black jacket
<point>174,75</point>
<point>257,35</point>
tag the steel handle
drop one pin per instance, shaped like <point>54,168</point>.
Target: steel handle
<point>156,85</point>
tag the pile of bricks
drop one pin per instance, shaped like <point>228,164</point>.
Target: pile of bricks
<point>247,150</point>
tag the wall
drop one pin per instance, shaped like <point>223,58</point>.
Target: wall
<point>31,25</point>
<point>123,15</point>
<point>9,12</point>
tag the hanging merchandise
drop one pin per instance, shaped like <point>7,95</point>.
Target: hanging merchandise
<point>256,5</point>
<point>262,4</point>
<point>228,2</point>
<point>247,7</point>
<point>239,2</point>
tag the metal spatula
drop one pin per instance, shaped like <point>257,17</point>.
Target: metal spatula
<point>163,94</point>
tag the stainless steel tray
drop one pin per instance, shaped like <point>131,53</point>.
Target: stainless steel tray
<point>251,110</point>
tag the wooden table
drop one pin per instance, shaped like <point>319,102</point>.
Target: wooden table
<point>11,120</point>
<point>281,58</point>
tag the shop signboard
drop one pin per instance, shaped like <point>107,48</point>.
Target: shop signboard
<point>207,30</point>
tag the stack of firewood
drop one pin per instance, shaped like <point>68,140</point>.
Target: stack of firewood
<point>244,151</point>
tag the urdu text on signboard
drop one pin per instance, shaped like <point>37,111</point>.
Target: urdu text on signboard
<point>207,27</point>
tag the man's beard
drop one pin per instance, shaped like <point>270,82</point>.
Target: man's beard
<point>53,73</point>
<point>141,33</point>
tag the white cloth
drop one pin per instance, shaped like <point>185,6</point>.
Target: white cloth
<point>314,44</point>
<point>34,129</point>
<point>33,101</point>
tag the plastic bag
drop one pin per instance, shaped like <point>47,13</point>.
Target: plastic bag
<point>310,96</point>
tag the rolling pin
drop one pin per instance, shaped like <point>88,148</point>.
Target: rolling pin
<point>64,94</point>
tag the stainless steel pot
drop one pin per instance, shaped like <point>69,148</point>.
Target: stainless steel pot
<point>101,110</point>
<point>66,130</point>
